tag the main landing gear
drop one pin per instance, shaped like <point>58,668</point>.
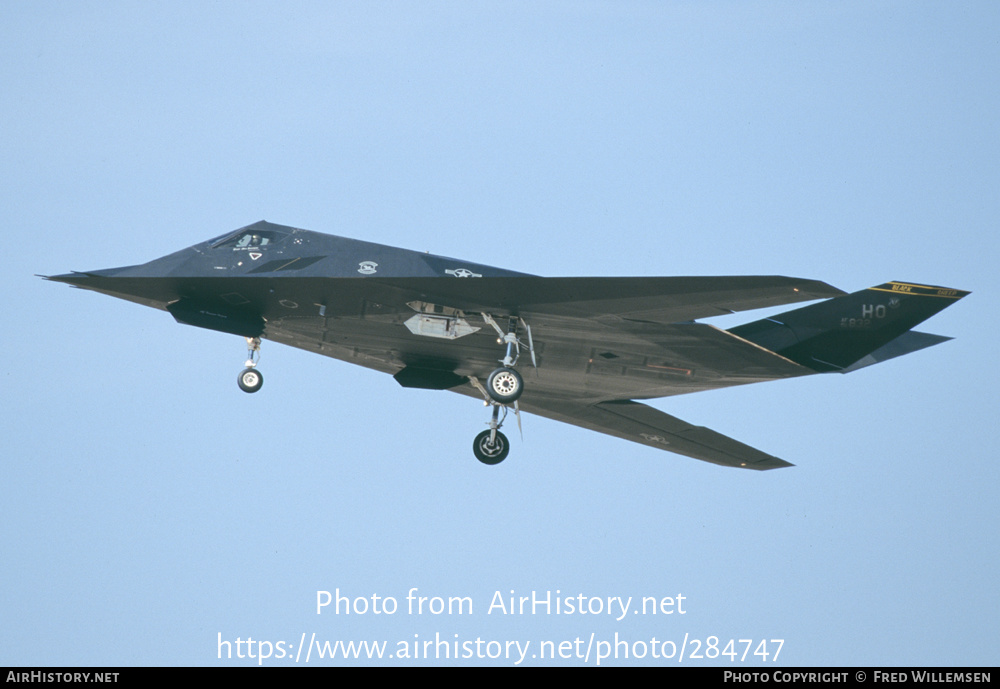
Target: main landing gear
<point>503,388</point>
<point>505,385</point>
<point>250,379</point>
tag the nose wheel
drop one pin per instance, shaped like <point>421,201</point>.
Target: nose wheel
<point>250,379</point>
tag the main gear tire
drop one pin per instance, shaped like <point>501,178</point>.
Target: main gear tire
<point>505,385</point>
<point>491,452</point>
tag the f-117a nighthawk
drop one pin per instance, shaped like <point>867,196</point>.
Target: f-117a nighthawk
<point>593,346</point>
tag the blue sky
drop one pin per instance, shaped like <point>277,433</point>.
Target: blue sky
<point>148,506</point>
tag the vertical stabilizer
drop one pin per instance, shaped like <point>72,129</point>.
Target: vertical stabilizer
<point>855,330</point>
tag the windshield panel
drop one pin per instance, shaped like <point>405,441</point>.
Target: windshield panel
<point>251,239</point>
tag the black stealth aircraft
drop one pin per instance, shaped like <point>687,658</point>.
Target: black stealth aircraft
<point>591,346</point>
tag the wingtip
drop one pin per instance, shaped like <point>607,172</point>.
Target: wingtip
<point>817,289</point>
<point>767,465</point>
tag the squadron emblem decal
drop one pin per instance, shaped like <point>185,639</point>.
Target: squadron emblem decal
<point>462,273</point>
<point>367,267</point>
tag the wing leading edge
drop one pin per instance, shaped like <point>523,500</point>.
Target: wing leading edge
<point>647,299</point>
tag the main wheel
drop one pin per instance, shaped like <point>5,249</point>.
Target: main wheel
<point>250,380</point>
<point>490,453</point>
<point>505,385</point>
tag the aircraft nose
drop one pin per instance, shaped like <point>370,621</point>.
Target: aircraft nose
<point>81,279</point>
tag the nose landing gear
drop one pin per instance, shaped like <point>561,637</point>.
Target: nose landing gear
<point>250,379</point>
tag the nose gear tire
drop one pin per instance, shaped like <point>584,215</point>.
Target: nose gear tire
<point>250,380</point>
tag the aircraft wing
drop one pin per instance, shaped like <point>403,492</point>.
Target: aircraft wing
<point>643,424</point>
<point>652,299</point>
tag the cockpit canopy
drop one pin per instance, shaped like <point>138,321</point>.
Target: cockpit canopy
<point>250,239</point>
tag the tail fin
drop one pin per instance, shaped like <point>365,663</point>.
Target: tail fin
<point>855,330</point>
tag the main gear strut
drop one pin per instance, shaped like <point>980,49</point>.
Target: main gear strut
<point>505,384</point>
